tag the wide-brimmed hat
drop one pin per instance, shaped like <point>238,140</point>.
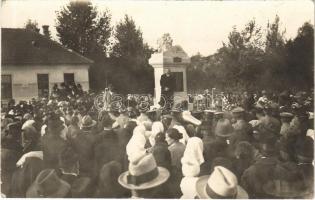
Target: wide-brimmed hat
<point>54,121</point>
<point>187,117</point>
<point>286,115</point>
<point>285,189</point>
<point>87,122</point>
<point>238,110</point>
<point>48,184</point>
<point>287,182</point>
<point>223,128</point>
<point>221,184</point>
<point>144,175</point>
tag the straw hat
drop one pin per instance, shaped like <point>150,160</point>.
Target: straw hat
<point>144,175</point>
<point>222,183</point>
<point>87,122</point>
<point>224,128</point>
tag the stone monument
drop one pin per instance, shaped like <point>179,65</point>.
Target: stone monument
<point>175,59</point>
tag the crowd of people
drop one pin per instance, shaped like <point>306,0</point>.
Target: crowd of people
<point>61,146</point>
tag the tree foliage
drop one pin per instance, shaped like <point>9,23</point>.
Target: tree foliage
<point>252,61</point>
<point>31,25</point>
<point>165,42</point>
<point>131,55</point>
<point>81,28</point>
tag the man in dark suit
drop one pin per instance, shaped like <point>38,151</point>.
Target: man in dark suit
<point>167,83</point>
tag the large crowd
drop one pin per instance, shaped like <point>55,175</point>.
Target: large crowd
<point>236,146</point>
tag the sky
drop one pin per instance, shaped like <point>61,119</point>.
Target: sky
<point>197,26</point>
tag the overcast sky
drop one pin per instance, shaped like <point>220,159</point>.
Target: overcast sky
<point>198,26</point>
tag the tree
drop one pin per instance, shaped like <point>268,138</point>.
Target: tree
<point>300,55</point>
<point>133,54</point>
<point>31,25</point>
<point>239,61</point>
<point>165,42</point>
<point>274,76</point>
<point>80,28</point>
<point>129,44</point>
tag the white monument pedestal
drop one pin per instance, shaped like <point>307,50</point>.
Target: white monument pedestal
<point>175,59</point>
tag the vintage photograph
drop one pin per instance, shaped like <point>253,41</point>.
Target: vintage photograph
<point>157,99</point>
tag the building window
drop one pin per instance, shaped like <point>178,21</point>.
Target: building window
<point>68,78</point>
<point>6,87</point>
<point>177,60</point>
<point>179,83</point>
<point>43,85</point>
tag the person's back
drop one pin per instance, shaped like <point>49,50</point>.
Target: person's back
<point>162,155</point>
<point>83,144</point>
<point>52,145</point>
<point>106,148</point>
<point>257,175</point>
<point>24,176</point>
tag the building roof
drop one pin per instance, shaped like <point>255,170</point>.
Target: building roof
<point>21,46</point>
<point>174,55</point>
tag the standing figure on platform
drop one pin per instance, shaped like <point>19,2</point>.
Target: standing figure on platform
<point>107,97</point>
<point>167,89</point>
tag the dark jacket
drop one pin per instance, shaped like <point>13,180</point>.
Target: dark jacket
<point>52,145</point>
<point>167,82</point>
<point>257,175</point>
<point>9,158</point>
<point>83,145</point>
<point>162,155</point>
<point>81,186</point>
<point>123,136</point>
<point>106,149</point>
<point>25,176</point>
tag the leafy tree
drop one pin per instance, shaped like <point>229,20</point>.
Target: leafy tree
<point>274,76</point>
<point>132,54</point>
<point>31,25</point>
<point>300,55</point>
<point>80,28</point>
<point>165,42</point>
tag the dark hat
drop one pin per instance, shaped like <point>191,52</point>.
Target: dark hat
<point>285,189</point>
<point>167,116</point>
<point>87,122</point>
<point>244,150</point>
<point>160,137</point>
<point>54,121</point>
<point>174,134</point>
<point>177,108</point>
<point>108,185</point>
<point>48,184</point>
<point>287,182</point>
<point>238,110</point>
<point>286,115</point>
<point>224,128</point>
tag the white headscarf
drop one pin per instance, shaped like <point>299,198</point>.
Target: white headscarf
<point>135,147</point>
<point>157,127</point>
<point>193,157</point>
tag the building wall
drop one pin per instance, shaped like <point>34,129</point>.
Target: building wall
<point>24,77</point>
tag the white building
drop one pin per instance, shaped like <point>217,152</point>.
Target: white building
<point>31,64</point>
<point>177,60</point>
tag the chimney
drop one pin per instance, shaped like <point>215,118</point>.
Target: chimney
<point>46,31</point>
